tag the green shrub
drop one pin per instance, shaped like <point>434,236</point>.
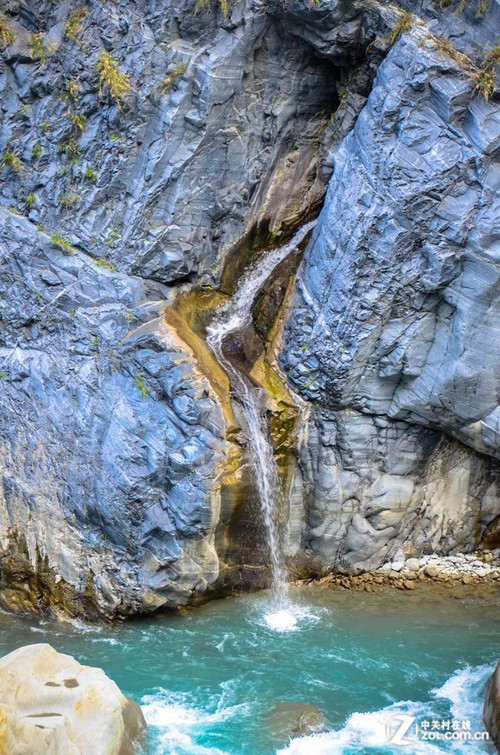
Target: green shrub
<point>70,200</point>
<point>6,33</point>
<point>74,27</point>
<point>71,149</point>
<point>141,385</point>
<point>36,151</point>
<point>90,175</point>
<point>12,161</point>
<point>63,244</point>
<point>484,81</point>
<point>179,70</point>
<point>37,49</point>
<point>483,6</point>
<point>201,4</point>
<point>30,200</point>
<point>71,90</point>
<point>79,121</point>
<point>110,78</point>
<point>447,48</point>
<point>492,57</point>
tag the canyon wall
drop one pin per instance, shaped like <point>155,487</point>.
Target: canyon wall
<point>121,476</point>
<point>392,332</point>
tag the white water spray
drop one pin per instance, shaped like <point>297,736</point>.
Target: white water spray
<point>232,318</point>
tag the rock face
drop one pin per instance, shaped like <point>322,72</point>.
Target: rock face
<point>392,331</point>
<point>50,703</point>
<point>112,439</point>
<point>118,483</point>
<point>491,711</point>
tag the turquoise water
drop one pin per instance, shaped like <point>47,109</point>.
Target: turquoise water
<point>223,680</point>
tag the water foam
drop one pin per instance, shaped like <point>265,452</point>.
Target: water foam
<point>288,617</point>
<point>370,730</point>
<point>465,690</point>
<point>178,722</point>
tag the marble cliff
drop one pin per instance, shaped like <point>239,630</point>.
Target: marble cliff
<point>125,221</point>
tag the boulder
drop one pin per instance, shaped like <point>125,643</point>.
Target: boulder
<point>294,719</point>
<point>51,704</point>
<point>491,710</point>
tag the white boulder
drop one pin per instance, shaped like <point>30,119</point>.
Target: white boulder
<point>51,705</point>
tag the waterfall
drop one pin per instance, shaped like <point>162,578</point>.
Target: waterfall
<point>232,318</point>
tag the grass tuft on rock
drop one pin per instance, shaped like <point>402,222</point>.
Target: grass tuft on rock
<point>6,33</point>
<point>63,244</point>
<point>403,24</point>
<point>74,26</point>
<point>484,81</point>
<point>11,161</point>
<point>111,78</point>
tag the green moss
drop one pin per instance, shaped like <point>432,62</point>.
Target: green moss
<point>36,151</point>
<point>260,238</point>
<point>111,238</point>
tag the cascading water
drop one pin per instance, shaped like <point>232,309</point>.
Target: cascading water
<point>233,317</point>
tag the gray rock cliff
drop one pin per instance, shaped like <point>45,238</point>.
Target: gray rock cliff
<point>121,472</point>
<point>392,331</point>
